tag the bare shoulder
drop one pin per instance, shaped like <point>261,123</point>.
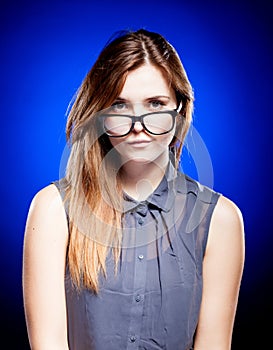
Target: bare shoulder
<point>227,226</point>
<point>47,196</point>
<point>47,211</point>
<point>227,212</point>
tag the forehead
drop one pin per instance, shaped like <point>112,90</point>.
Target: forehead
<point>145,82</point>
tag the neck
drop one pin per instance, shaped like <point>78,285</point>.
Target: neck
<point>140,179</point>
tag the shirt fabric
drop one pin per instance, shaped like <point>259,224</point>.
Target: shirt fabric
<point>153,300</point>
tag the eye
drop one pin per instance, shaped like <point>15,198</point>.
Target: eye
<point>156,104</point>
<point>119,107</point>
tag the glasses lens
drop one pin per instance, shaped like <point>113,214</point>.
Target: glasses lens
<point>117,125</point>
<point>158,123</point>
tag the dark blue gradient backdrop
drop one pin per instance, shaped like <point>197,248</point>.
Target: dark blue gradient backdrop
<point>226,47</point>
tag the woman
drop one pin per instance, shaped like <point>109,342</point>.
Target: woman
<point>126,252</point>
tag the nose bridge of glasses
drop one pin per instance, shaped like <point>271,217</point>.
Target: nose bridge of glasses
<point>138,123</point>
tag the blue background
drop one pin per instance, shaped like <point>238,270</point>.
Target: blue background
<point>226,47</point>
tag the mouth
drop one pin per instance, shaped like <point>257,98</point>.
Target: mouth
<point>139,143</point>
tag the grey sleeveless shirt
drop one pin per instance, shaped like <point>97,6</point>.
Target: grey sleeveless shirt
<point>153,300</point>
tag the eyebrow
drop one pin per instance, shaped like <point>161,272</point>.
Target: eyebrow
<point>120,98</point>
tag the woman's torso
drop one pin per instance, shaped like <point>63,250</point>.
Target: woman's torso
<point>153,299</point>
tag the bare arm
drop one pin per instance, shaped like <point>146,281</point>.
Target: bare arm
<point>44,255</point>
<point>222,273</point>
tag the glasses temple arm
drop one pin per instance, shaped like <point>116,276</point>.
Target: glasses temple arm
<point>179,107</point>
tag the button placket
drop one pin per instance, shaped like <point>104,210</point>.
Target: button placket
<point>139,284</point>
<point>141,212</point>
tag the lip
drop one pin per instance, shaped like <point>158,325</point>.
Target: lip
<point>139,143</point>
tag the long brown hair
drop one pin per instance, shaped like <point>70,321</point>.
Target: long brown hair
<point>93,191</point>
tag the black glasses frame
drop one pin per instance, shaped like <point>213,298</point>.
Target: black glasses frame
<point>140,118</point>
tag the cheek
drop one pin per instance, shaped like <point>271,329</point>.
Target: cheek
<point>116,141</point>
<point>166,139</point>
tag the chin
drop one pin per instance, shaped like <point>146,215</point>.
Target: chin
<point>147,158</point>
<point>141,160</point>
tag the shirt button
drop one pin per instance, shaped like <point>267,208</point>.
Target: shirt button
<point>141,256</point>
<point>138,298</point>
<point>140,221</point>
<point>133,338</point>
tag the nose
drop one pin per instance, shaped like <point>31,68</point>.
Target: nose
<point>138,110</point>
<point>138,127</point>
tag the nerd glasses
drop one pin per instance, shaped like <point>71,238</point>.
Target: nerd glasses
<point>155,123</point>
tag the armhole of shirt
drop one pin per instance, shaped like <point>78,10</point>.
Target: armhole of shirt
<point>205,197</point>
<point>61,191</point>
<point>214,199</point>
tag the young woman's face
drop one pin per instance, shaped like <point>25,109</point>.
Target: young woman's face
<point>145,91</point>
